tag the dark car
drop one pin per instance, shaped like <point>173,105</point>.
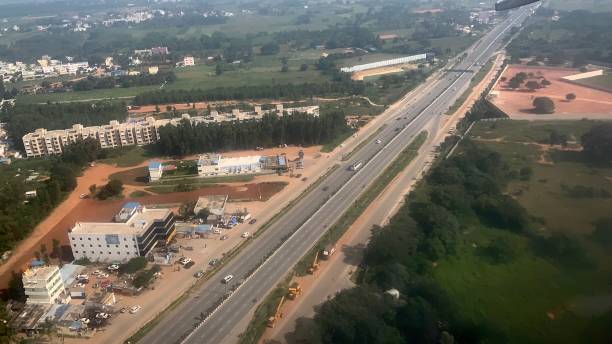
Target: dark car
<point>188,265</point>
<point>252,222</point>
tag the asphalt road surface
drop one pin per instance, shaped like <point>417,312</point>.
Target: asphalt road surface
<point>298,230</point>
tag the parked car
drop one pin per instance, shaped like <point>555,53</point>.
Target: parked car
<point>82,277</point>
<point>83,196</point>
<point>227,278</point>
<point>84,321</point>
<point>184,260</point>
<point>225,237</point>
<point>102,315</point>
<point>217,231</point>
<point>246,235</point>
<point>188,265</point>
<point>123,310</point>
<point>213,262</point>
<point>378,141</point>
<point>113,267</point>
<point>198,274</point>
<point>134,309</point>
<point>253,221</point>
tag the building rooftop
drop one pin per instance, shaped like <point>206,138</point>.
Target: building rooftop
<point>207,160</point>
<point>132,219</point>
<point>214,203</point>
<point>41,273</point>
<point>154,165</point>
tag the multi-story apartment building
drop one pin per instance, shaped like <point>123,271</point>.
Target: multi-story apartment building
<point>43,142</point>
<point>43,285</point>
<point>135,231</point>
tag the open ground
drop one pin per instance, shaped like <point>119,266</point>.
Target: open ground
<point>589,102</point>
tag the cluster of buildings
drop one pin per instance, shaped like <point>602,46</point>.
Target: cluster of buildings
<point>45,67</point>
<point>43,142</point>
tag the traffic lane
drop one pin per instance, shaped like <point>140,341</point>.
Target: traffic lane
<point>431,95</point>
<point>432,110</point>
<point>275,269</point>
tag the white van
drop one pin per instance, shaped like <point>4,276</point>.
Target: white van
<point>227,278</point>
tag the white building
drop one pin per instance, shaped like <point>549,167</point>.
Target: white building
<point>135,231</point>
<point>156,169</point>
<point>188,61</point>
<point>217,165</point>
<point>43,142</point>
<point>43,285</point>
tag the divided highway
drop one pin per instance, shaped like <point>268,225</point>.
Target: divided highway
<point>315,212</point>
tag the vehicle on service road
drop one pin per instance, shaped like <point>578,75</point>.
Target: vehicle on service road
<point>252,222</point>
<point>378,141</point>
<point>225,237</point>
<point>246,235</point>
<point>198,274</point>
<point>134,309</point>
<point>213,262</point>
<point>227,278</point>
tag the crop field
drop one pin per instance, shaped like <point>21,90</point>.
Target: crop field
<point>533,299</point>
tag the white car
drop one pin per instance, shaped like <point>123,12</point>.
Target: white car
<point>82,277</point>
<point>79,285</point>
<point>184,260</point>
<point>246,235</point>
<point>102,315</point>
<point>134,309</point>
<point>378,141</point>
<point>84,321</point>
<point>227,278</point>
<point>113,267</point>
<point>97,272</point>
<point>217,231</point>
<point>103,275</point>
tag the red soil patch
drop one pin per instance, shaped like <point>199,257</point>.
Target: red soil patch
<point>518,103</point>
<point>92,210</point>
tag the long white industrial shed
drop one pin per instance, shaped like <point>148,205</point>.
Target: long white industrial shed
<point>385,63</point>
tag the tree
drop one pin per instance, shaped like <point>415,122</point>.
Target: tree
<point>270,48</point>
<point>303,67</point>
<point>570,96</point>
<point>219,69</point>
<point>514,83</point>
<point>543,105</point>
<point>284,68</point>
<point>133,265</point>
<point>532,85</point>
<point>597,143</point>
<point>501,251</point>
<point>113,188</point>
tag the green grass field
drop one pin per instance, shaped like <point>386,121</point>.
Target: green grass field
<point>602,81</point>
<point>532,299</point>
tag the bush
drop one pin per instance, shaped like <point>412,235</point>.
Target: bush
<point>143,278</point>
<point>597,144</point>
<point>603,232</point>
<point>133,265</point>
<point>114,188</point>
<point>543,105</point>
<point>563,249</point>
<point>500,251</point>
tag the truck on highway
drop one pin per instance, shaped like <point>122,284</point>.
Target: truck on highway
<point>356,166</point>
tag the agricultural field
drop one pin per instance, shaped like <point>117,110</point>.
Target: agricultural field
<point>534,298</point>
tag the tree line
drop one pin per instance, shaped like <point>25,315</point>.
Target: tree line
<point>274,91</point>
<point>585,37</point>
<point>125,81</point>
<point>297,129</point>
<point>24,118</point>
<point>20,215</point>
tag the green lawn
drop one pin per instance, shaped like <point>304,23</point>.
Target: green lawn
<point>531,299</point>
<point>602,81</point>
<point>129,156</point>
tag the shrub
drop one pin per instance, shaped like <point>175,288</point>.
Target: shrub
<point>543,105</point>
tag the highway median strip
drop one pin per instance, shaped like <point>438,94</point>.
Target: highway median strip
<point>267,307</point>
